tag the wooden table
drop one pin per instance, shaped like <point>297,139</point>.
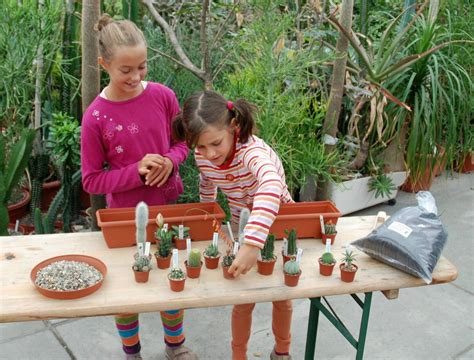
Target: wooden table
<point>20,301</point>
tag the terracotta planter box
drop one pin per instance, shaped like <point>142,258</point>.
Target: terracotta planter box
<point>18,210</point>
<point>304,217</point>
<point>118,225</point>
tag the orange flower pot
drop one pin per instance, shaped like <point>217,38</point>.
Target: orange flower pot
<point>304,217</point>
<point>163,262</point>
<point>18,210</point>
<point>180,244</point>
<point>468,164</point>
<point>348,276</point>
<point>227,275</point>
<point>192,272</point>
<point>118,225</point>
<point>177,285</point>
<point>325,269</point>
<point>211,262</point>
<point>292,280</point>
<point>265,267</point>
<point>330,237</point>
<point>141,276</point>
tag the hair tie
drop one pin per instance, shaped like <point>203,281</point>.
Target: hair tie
<point>230,105</point>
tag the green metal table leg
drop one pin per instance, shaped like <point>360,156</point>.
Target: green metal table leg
<point>363,326</point>
<point>312,328</point>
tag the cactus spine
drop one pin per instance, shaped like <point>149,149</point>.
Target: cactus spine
<point>292,267</point>
<point>141,221</point>
<point>194,258</point>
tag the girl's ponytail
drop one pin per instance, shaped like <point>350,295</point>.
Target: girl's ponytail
<point>178,130</point>
<point>243,111</point>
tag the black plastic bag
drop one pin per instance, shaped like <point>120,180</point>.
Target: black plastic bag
<point>410,240</point>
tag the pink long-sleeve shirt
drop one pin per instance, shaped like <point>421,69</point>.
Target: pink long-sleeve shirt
<point>254,177</point>
<point>121,133</point>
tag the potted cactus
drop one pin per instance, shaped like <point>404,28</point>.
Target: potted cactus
<point>329,232</point>
<point>193,264</point>
<point>164,239</point>
<point>212,256</point>
<point>326,264</point>
<point>292,272</point>
<point>226,263</point>
<point>348,268</point>
<point>180,241</point>
<point>291,249</point>
<point>142,265</point>
<point>267,263</point>
<point>177,279</point>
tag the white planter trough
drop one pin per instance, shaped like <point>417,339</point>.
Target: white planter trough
<point>354,195</point>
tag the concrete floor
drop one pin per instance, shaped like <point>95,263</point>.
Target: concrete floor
<point>435,322</point>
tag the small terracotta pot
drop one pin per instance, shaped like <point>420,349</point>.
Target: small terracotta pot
<point>468,164</point>
<point>414,185</point>
<point>192,272</point>
<point>18,210</point>
<point>325,269</point>
<point>348,276</point>
<point>141,276</point>
<point>286,258</point>
<point>225,271</point>
<point>325,238</point>
<point>211,262</point>
<point>265,267</point>
<point>21,229</point>
<point>292,280</point>
<point>177,285</point>
<point>180,244</point>
<point>163,262</point>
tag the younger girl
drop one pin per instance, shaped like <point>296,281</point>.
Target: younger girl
<point>128,127</point>
<point>249,172</point>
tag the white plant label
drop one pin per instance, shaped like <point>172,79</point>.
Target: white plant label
<point>188,245</point>
<point>229,230</point>
<point>400,229</point>
<point>328,246</point>
<point>147,248</point>
<point>298,256</point>
<point>17,224</point>
<point>215,238</point>
<point>285,247</point>
<point>175,259</point>
<point>165,227</point>
<point>321,221</point>
<point>181,231</point>
<point>236,248</point>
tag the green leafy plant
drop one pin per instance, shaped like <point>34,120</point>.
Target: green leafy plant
<point>330,228</point>
<point>292,237</point>
<point>268,249</point>
<point>292,267</point>
<point>382,185</point>
<point>175,231</point>
<point>142,263</point>
<point>348,259</point>
<point>211,251</point>
<point>165,242</point>
<point>177,274</point>
<point>194,258</point>
<point>328,258</point>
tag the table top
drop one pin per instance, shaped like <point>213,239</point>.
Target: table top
<point>20,301</point>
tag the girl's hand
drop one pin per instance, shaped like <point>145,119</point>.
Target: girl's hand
<point>148,162</point>
<point>245,260</point>
<point>158,175</point>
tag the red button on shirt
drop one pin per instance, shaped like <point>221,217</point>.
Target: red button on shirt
<point>229,177</point>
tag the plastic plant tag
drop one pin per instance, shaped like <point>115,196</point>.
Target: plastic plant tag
<point>165,227</point>
<point>284,248</point>
<point>328,246</point>
<point>17,224</point>
<point>181,231</point>
<point>236,248</point>
<point>175,259</point>
<point>229,229</point>
<point>298,255</point>
<point>147,248</point>
<point>321,221</point>
<point>188,245</point>
<point>215,238</point>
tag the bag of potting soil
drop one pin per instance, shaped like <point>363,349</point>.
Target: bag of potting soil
<point>410,240</point>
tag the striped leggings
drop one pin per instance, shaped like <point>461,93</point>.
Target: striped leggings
<point>128,329</point>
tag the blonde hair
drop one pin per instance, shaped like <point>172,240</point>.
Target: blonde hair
<point>113,33</point>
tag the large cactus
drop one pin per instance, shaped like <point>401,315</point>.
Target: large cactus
<point>269,248</point>
<point>292,248</point>
<point>141,221</point>
<point>194,258</point>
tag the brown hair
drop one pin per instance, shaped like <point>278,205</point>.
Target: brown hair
<point>210,108</point>
<point>113,33</point>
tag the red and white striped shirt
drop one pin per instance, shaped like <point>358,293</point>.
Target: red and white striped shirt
<point>255,177</point>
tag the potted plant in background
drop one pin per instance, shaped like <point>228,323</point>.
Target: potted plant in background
<point>267,263</point>
<point>193,264</point>
<point>292,272</point>
<point>326,264</point>
<point>330,233</point>
<point>289,252</point>
<point>180,237</point>
<point>177,279</point>
<point>212,256</point>
<point>348,268</point>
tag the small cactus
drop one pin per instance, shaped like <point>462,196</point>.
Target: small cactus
<point>292,267</point>
<point>141,221</point>
<point>348,258</point>
<point>228,259</point>
<point>330,228</point>
<point>175,231</point>
<point>194,258</point>
<point>142,263</point>
<point>268,248</point>
<point>292,248</point>
<point>328,258</point>
<point>212,251</point>
<point>164,246</point>
<point>177,274</point>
